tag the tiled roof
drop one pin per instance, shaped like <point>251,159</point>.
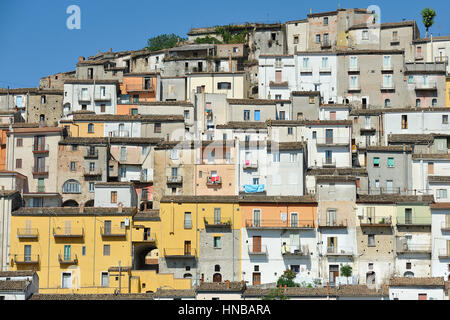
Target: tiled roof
<point>148,215</point>
<point>414,109</point>
<point>250,198</point>
<point>394,198</point>
<point>338,171</point>
<point>417,282</point>
<point>251,101</point>
<point>166,103</point>
<point>335,178</point>
<point>242,125</point>
<point>8,193</point>
<point>328,122</point>
<point>122,296</point>
<point>291,292</point>
<point>335,106</point>
<point>440,205</point>
<point>361,291</point>
<point>70,211</point>
<point>305,93</point>
<point>79,81</point>
<point>389,148</point>
<point>384,25</point>
<point>438,179</point>
<point>172,293</point>
<point>221,286</point>
<point>286,145</point>
<point>278,84</point>
<point>114,184</point>
<point>116,117</point>
<point>18,273</point>
<point>411,138</point>
<point>12,285</point>
<point>435,156</point>
<point>200,199</point>
<point>362,112</point>
<point>112,140</point>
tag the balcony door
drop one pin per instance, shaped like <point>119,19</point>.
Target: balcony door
<point>216,215</point>
<point>67,252</point>
<point>278,76</point>
<point>294,219</point>
<point>27,252</point>
<point>329,136</point>
<point>331,244</point>
<point>294,241</point>
<point>256,218</point>
<point>331,217</point>
<point>187,248</point>
<point>333,273</point>
<point>256,243</point>
<point>67,227</point>
<point>408,216</point>
<point>256,278</point>
<point>107,227</point>
<point>328,157</point>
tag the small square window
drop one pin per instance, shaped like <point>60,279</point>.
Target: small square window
<point>408,266</point>
<point>106,250</point>
<point>19,142</point>
<point>371,240</point>
<point>217,242</point>
<point>445,119</point>
<point>376,162</point>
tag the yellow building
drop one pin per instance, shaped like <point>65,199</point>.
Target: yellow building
<point>80,250</point>
<point>84,129</point>
<point>200,238</point>
<point>447,92</point>
<point>233,84</point>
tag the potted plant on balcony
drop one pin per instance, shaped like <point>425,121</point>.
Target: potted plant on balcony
<point>346,271</point>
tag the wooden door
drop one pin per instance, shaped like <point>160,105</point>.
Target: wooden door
<point>333,273</point>
<point>187,247</point>
<point>217,277</point>
<point>256,243</point>
<point>278,76</point>
<point>430,168</point>
<point>422,296</point>
<point>256,278</point>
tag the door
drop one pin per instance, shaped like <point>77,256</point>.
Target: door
<point>256,218</point>
<point>364,103</point>
<point>328,157</point>
<point>278,76</point>
<point>294,219</point>
<point>102,91</point>
<point>331,217</point>
<point>430,168</point>
<point>187,248</point>
<point>390,186</point>
<point>27,252</point>
<point>256,243</point>
<point>294,242</point>
<point>84,94</point>
<point>146,234</point>
<point>329,136</point>
<point>331,245</point>
<point>67,280</point>
<point>333,273</point>
<point>256,278</point>
<point>105,279</point>
<point>107,227</point>
<point>67,252</point>
<point>216,215</point>
<point>408,216</point>
<point>217,277</point>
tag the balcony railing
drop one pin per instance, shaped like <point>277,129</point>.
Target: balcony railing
<point>328,162</point>
<point>26,259</point>
<point>91,154</point>
<point>294,250</point>
<point>174,179</point>
<point>102,97</point>
<point>145,177</point>
<point>84,97</point>
<point>113,232</point>
<point>355,87</point>
<point>413,248</point>
<point>92,172</point>
<point>444,253</point>
<point>387,67</point>
<point>63,259</point>
<point>445,226</point>
<point>40,148</point>
<point>131,87</point>
<point>325,44</point>
<point>332,141</point>
<point>421,67</point>
<point>147,237</point>
<point>414,221</point>
<point>325,69</point>
<point>279,224</point>
<point>430,85</point>
<point>40,170</point>
<point>340,251</point>
<point>353,69</point>
<point>213,181</point>
<point>387,86</point>
<point>217,222</point>
<point>257,250</point>
<point>306,69</point>
<point>441,59</point>
<point>68,232</point>
<point>27,233</point>
<point>119,133</point>
<point>333,224</point>
<point>278,64</point>
<point>180,253</point>
<point>250,164</point>
<point>376,221</point>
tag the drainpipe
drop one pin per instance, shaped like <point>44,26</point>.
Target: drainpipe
<point>93,260</point>
<point>3,231</point>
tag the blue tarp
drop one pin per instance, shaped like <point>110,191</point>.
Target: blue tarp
<point>252,188</point>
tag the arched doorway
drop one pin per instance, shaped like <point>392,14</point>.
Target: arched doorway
<point>187,276</point>
<point>408,274</point>
<point>217,277</point>
<point>70,203</point>
<point>89,203</point>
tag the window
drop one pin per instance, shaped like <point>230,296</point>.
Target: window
<point>256,181</point>
<point>83,250</point>
<point>274,36</point>
<point>404,121</point>
<point>295,39</point>
<point>353,63</point>
<point>224,85</point>
<point>19,142</point>
<point>305,62</point>
<point>187,220</point>
<point>434,103</point>
<point>91,186</point>
<point>123,153</point>
<point>394,35</point>
<point>102,107</point>
<point>292,157</point>
<point>113,196</point>
<point>257,115</point>
<point>314,134</point>
<point>174,154</point>
<point>18,163</point>
<point>72,166</point>
<point>365,34</point>
<point>353,82</point>
<point>371,240</point>
<point>408,266</point>
<point>441,193</point>
<point>246,114</point>
<point>377,183</point>
<point>217,242</point>
<point>84,107</point>
<point>387,62</point>
<point>276,157</point>
<point>278,97</point>
<point>43,99</point>
<point>317,38</point>
<point>387,81</point>
<point>390,162</point>
<point>295,268</point>
<point>71,186</point>
<point>410,79</point>
<point>106,249</point>
<point>387,103</point>
<point>325,21</point>
<point>281,115</point>
<point>186,114</point>
<point>290,129</point>
<point>418,103</point>
<point>376,162</point>
<point>157,128</point>
<point>66,279</point>
<point>74,147</point>
<point>90,128</point>
<point>134,111</point>
<point>105,279</point>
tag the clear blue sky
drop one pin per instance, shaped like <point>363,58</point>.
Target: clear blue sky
<point>35,41</point>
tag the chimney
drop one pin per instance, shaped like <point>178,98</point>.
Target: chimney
<point>81,208</point>
<point>228,284</point>
<point>80,59</point>
<point>120,207</point>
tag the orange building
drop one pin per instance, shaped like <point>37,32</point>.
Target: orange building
<point>136,88</point>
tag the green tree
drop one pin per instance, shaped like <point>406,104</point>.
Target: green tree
<point>346,271</point>
<point>164,41</point>
<point>208,39</point>
<point>275,294</point>
<point>287,279</point>
<point>428,16</point>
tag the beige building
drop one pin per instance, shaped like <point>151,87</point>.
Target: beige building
<point>233,84</point>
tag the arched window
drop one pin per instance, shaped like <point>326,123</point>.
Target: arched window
<point>217,277</point>
<point>409,274</point>
<point>90,127</point>
<point>417,102</point>
<point>387,102</point>
<point>187,275</point>
<point>71,186</point>
<point>434,102</point>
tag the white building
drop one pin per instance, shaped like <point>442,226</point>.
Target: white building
<point>18,285</point>
<point>431,175</point>
<point>416,289</point>
<point>112,194</point>
<point>276,75</point>
<point>334,112</point>
<point>440,239</point>
<point>99,96</point>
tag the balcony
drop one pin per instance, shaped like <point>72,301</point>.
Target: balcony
<point>325,69</point>
<point>119,133</point>
<point>68,232</point>
<point>113,232</point>
<point>418,56</point>
<point>333,224</point>
<point>84,97</point>
<point>145,178</point>
<point>445,226</point>
<point>332,142</point>
<point>257,250</point>
<point>250,164</point>
<point>387,87</point>
<point>405,248</point>
<point>214,181</point>
<point>278,64</point>
<point>180,253</point>
<point>89,154</point>
<point>87,172</point>
<point>40,170</point>
<point>217,222</point>
<point>325,44</point>
<point>424,67</point>
<point>395,41</point>
<point>329,163</point>
<point>24,259</point>
<point>27,233</point>
<point>441,59</point>
<point>376,221</point>
<point>174,179</point>
<point>294,251</point>
<point>66,260</point>
<point>131,87</point>
<point>353,69</point>
<point>306,69</point>
<point>429,86</point>
<point>354,88</point>
<point>413,221</point>
<point>40,148</point>
<point>444,253</point>
<point>102,97</point>
<point>387,68</point>
<point>340,251</point>
<point>147,237</point>
<point>265,224</point>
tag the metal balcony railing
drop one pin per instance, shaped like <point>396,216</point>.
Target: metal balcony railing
<point>414,221</point>
<point>92,172</point>
<point>355,87</point>
<point>102,97</point>
<point>29,233</point>
<point>147,237</point>
<point>294,250</point>
<point>65,259</point>
<point>113,232</point>
<point>174,179</point>
<point>89,154</point>
<point>444,253</point>
<point>420,67</point>
<point>441,59</point>
<point>430,85</point>
<point>257,250</point>
<point>330,223</point>
<point>26,259</point>
<point>328,162</point>
<point>40,148</point>
<point>131,87</point>
<point>376,221</point>
<point>387,86</point>
<point>335,141</point>
<point>180,253</point>
<point>445,226</point>
<point>250,164</point>
<point>305,69</point>
<point>213,181</point>
<point>68,232</point>
<point>413,248</point>
<point>340,251</point>
<point>325,44</point>
<point>353,69</point>
<point>214,221</point>
<point>40,170</point>
<point>119,133</point>
<point>41,189</point>
<point>84,97</point>
<point>325,69</point>
<point>279,224</point>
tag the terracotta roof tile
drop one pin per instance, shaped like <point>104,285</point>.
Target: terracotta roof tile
<point>12,285</point>
<point>221,286</point>
<point>417,282</point>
